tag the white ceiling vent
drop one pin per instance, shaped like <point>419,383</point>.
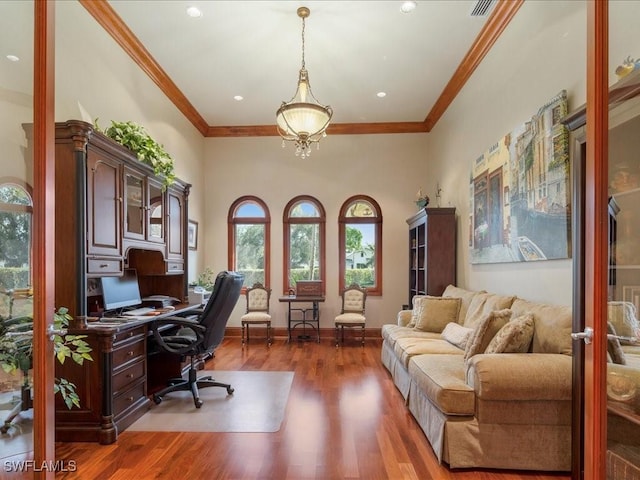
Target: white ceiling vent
<point>481,8</point>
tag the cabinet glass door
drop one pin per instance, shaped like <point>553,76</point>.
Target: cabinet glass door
<point>134,205</point>
<point>155,228</point>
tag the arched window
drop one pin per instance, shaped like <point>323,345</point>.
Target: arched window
<point>16,212</point>
<point>360,244</point>
<point>249,231</point>
<point>304,222</point>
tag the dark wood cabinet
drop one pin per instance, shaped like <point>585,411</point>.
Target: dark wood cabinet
<point>432,251</point>
<point>111,213</point>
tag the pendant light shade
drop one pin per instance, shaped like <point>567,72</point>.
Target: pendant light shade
<point>303,120</point>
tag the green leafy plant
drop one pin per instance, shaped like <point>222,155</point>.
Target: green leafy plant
<point>148,151</point>
<point>206,279</point>
<point>68,346</point>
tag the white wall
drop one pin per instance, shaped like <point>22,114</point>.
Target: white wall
<point>389,168</point>
<point>532,61</point>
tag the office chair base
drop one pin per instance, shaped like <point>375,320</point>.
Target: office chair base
<point>191,384</point>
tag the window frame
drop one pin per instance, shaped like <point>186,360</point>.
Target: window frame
<point>376,220</point>
<point>287,221</point>
<point>232,221</point>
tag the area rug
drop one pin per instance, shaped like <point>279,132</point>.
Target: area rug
<point>19,438</point>
<point>257,405</point>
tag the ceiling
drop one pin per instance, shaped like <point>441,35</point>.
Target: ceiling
<point>353,50</point>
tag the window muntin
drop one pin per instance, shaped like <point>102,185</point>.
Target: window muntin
<point>249,225</point>
<point>360,244</point>
<point>304,223</point>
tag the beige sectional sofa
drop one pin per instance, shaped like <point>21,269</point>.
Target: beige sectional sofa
<point>494,410</point>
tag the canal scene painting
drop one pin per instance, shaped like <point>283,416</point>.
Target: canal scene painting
<point>520,192</point>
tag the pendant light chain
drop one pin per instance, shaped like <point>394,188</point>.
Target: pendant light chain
<point>303,24</point>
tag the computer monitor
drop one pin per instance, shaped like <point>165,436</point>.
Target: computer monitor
<point>121,292</point>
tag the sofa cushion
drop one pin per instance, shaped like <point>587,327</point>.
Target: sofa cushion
<point>482,304</point>
<point>408,347</point>
<point>456,334</point>
<point>552,326</point>
<point>442,379</point>
<point>514,337</point>
<point>624,318</point>
<point>391,333</point>
<point>436,312</point>
<point>465,297</point>
<point>485,331</point>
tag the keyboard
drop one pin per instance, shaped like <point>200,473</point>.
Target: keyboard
<point>138,311</point>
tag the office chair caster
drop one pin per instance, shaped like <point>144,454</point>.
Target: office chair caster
<point>157,400</point>
<point>230,390</point>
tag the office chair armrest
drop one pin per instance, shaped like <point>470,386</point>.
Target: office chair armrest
<point>189,346</point>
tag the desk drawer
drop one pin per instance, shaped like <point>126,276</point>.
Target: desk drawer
<point>128,375</point>
<point>137,333</point>
<point>128,398</point>
<point>104,266</point>
<point>128,353</point>
<point>175,266</point>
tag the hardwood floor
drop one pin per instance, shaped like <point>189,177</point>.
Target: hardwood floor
<point>345,420</point>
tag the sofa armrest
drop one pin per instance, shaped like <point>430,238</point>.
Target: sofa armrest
<point>404,317</point>
<point>520,376</point>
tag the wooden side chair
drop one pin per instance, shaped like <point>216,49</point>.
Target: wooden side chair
<point>258,297</point>
<point>354,298</point>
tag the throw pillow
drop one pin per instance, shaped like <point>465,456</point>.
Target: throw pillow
<point>456,334</point>
<point>624,318</point>
<point>485,330</point>
<point>613,346</point>
<point>416,311</point>
<point>436,312</point>
<point>514,337</point>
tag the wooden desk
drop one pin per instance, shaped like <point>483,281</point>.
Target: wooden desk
<point>113,388</point>
<point>314,310</point>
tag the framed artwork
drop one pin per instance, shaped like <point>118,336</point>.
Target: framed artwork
<point>192,235</point>
<point>520,192</point>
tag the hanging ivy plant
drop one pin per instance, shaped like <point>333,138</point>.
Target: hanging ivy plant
<point>148,151</point>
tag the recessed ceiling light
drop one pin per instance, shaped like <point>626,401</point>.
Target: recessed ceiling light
<point>13,58</point>
<point>408,6</point>
<point>238,98</point>
<point>381,94</point>
<point>194,12</point>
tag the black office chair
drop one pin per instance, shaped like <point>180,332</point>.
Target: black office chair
<point>200,336</point>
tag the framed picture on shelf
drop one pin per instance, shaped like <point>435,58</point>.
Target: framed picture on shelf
<point>192,235</point>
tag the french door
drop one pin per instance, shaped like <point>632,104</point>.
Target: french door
<point>608,287</point>
<point>26,203</point>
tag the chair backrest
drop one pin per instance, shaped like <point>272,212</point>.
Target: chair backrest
<point>354,298</point>
<point>258,298</point>
<point>225,294</point>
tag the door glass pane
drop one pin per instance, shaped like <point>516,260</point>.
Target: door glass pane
<point>623,368</point>
<point>16,210</point>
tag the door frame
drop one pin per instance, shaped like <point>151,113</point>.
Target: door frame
<point>43,228</point>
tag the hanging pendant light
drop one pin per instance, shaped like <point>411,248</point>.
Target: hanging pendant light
<point>303,120</point>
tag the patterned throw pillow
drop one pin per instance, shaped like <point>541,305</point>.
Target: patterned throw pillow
<point>514,337</point>
<point>436,313</point>
<point>416,311</point>
<point>485,330</point>
<point>456,334</point>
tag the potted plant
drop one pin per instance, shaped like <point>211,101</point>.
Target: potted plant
<point>16,347</point>
<point>148,151</point>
